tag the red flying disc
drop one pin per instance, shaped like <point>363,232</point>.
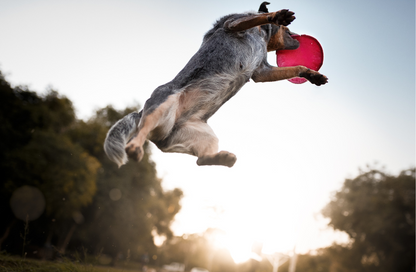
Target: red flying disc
<point>309,54</point>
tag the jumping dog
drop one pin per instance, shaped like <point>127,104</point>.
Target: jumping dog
<point>175,117</point>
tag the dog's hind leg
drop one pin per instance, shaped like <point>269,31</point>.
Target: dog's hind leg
<point>197,138</point>
<point>154,125</point>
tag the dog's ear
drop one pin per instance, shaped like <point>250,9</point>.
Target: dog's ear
<point>263,7</point>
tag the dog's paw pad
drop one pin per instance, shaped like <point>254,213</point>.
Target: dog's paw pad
<point>319,79</point>
<point>314,77</point>
<point>285,17</point>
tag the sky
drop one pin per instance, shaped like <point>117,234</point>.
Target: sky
<point>295,143</point>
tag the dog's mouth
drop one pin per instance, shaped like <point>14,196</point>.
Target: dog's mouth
<point>294,43</point>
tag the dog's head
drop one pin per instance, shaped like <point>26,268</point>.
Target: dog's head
<point>281,39</point>
<point>280,36</point>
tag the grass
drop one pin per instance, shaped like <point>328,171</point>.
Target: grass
<point>18,264</point>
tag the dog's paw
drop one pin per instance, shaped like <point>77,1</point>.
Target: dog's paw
<point>226,158</point>
<point>134,152</point>
<point>221,158</point>
<point>282,17</point>
<point>314,77</point>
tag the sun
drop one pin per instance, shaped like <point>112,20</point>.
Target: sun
<point>240,249</point>
<point>239,234</point>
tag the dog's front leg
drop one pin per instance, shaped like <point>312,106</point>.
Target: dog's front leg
<point>269,73</point>
<point>281,17</point>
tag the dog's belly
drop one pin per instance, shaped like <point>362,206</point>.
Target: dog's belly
<point>195,102</point>
<point>193,106</point>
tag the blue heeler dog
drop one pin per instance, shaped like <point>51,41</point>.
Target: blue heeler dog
<point>175,117</point>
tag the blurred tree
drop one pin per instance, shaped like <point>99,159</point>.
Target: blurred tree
<point>377,211</point>
<point>130,205</point>
<point>197,250</point>
<point>319,262</point>
<point>36,151</point>
<point>44,145</point>
<point>64,172</point>
<point>193,250</point>
<point>222,261</point>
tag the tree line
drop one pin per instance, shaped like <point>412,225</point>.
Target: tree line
<point>375,209</point>
<point>89,204</point>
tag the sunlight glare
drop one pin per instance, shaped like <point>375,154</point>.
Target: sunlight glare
<point>238,246</point>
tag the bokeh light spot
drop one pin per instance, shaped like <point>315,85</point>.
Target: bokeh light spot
<point>115,194</point>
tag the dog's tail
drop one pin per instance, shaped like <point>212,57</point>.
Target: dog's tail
<point>119,135</point>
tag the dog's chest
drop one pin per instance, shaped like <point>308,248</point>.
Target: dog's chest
<point>247,56</point>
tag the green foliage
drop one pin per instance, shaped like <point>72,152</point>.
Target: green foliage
<point>89,201</point>
<point>36,151</point>
<point>377,211</point>
<point>62,170</point>
<point>130,202</point>
<point>16,264</point>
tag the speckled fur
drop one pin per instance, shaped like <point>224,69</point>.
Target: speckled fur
<point>175,116</point>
